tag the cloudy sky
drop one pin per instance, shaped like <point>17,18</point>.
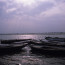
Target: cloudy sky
<point>32,16</point>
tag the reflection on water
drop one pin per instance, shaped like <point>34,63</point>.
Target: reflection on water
<point>29,36</point>
<point>26,57</point>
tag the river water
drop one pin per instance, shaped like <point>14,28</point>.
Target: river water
<point>26,57</point>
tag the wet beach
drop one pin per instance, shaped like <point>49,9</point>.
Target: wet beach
<point>26,57</point>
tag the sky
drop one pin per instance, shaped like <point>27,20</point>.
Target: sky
<point>32,16</point>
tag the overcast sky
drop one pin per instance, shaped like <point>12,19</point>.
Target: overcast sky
<point>32,16</point>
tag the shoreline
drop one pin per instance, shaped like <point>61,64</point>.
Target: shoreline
<point>45,33</point>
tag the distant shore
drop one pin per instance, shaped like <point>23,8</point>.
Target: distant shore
<point>46,33</point>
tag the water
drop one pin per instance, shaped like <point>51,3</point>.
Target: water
<point>29,36</point>
<point>26,57</point>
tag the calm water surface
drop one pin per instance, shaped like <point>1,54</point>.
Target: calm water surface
<point>26,57</point>
<point>29,36</point>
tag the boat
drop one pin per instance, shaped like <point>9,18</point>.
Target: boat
<point>47,49</point>
<point>12,47</point>
<point>55,39</point>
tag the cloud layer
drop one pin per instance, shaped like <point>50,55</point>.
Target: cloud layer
<point>31,16</point>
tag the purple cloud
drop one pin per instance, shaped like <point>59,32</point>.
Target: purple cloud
<point>32,16</point>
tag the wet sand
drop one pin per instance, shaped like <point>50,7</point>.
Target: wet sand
<point>26,57</point>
